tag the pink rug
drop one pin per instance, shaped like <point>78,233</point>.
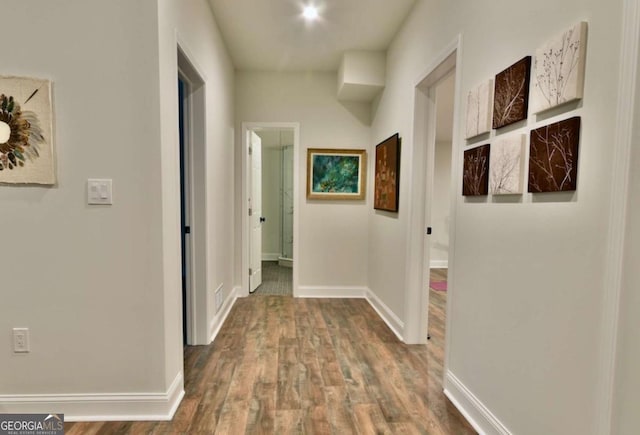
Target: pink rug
<point>440,286</point>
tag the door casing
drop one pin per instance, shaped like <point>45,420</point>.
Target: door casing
<point>418,249</point>
<point>195,147</point>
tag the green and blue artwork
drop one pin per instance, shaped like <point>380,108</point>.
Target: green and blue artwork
<point>336,174</point>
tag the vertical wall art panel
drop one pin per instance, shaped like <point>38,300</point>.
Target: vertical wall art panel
<point>507,165</point>
<point>387,174</point>
<point>479,108</point>
<point>559,69</point>
<point>475,171</point>
<point>26,141</point>
<point>511,94</point>
<point>553,156</point>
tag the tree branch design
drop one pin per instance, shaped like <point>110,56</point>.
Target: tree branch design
<point>473,113</point>
<point>475,180</point>
<point>511,96</point>
<point>479,109</point>
<point>557,67</point>
<point>554,156</point>
<point>506,167</point>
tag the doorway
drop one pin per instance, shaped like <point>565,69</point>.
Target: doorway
<point>271,192</point>
<point>433,198</point>
<point>185,189</point>
<point>276,254</point>
<point>438,203</point>
<point>193,200</point>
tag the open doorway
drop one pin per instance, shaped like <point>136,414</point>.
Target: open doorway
<point>439,208</point>
<point>185,211</point>
<point>431,229</point>
<point>270,226</point>
<point>272,199</point>
<point>193,200</point>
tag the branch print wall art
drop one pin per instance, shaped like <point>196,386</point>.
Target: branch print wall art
<point>479,107</point>
<point>559,69</point>
<point>26,142</point>
<point>553,157</point>
<point>507,165</point>
<point>511,94</point>
<point>475,171</point>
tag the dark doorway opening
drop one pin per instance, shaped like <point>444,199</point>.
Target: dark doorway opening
<point>184,225</point>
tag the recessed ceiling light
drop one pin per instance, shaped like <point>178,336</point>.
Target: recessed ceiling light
<point>310,13</point>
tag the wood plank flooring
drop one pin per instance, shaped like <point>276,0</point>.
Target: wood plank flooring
<point>308,366</point>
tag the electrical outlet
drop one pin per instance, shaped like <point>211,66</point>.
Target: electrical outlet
<point>20,340</point>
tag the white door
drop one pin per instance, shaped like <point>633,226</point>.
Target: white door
<point>255,206</point>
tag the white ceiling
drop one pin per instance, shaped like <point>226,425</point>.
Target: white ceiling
<point>271,35</point>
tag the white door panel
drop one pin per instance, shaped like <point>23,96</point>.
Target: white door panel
<point>255,203</point>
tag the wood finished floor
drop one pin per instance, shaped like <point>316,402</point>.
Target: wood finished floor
<point>308,366</point>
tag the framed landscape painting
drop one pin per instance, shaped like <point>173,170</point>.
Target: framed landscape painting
<point>386,188</point>
<point>336,174</point>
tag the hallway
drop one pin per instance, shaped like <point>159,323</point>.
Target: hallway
<point>283,365</point>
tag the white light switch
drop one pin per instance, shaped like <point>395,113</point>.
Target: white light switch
<point>99,191</point>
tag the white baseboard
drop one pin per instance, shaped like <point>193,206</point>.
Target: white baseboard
<point>100,407</point>
<point>392,321</point>
<point>331,292</point>
<point>472,408</point>
<point>270,256</point>
<point>388,316</point>
<point>221,316</point>
<point>285,262</point>
<point>439,264</point>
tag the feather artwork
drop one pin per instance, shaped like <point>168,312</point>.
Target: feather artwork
<point>24,134</point>
<point>26,147</point>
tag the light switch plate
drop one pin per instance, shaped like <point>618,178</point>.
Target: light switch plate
<point>99,191</point>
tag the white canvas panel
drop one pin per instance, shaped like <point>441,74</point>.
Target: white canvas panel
<point>506,165</point>
<point>479,109</point>
<point>559,69</point>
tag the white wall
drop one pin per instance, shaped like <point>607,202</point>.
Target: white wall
<point>440,209</point>
<point>271,202</point>
<point>275,178</point>
<point>195,30</point>
<point>626,419</point>
<point>86,280</point>
<point>333,235</point>
<point>99,287</point>
<point>527,283</point>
